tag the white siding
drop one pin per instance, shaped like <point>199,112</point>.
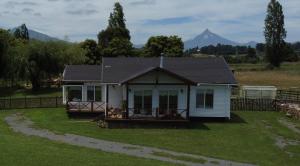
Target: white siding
<point>115,96</point>
<point>221,106</point>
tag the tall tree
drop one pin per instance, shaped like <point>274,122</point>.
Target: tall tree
<point>169,46</point>
<point>275,34</point>
<point>4,47</point>
<point>116,31</point>
<point>22,32</point>
<point>92,52</point>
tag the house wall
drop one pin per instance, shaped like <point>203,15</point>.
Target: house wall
<point>221,106</point>
<point>182,95</point>
<point>115,96</point>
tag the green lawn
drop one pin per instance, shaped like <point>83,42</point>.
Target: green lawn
<point>16,149</point>
<point>248,137</point>
<point>255,74</point>
<point>15,92</point>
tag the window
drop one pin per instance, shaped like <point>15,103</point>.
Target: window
<point>74,93</point>
<point>90,93</point>
<point>98,93</point>
<point>168,101</point>
<point>205,99</point>
<point>143,102</point>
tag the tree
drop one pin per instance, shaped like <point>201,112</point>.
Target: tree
<point>169,46</point>
<point>4,47</point>
<point>275,34</point>
<point>116,31</point>
<point>22,32</point>
<point>92,52</point>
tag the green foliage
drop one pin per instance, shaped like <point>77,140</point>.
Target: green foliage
<point>118,47</point>
<point>93,53</point>
<point>5,38</point>
<point>168,46</point>
<point>22,32</point>
<point>116,35</point>
<point>275,34</point>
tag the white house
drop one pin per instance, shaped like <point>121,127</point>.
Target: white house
<point>162,88</point>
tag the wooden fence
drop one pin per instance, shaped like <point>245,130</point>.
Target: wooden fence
<point>290,95</point>
<point>244,104</point>
<point>31,102</point>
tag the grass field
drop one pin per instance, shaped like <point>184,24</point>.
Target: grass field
<point>17,149</point>
<point>248,137</point>
<point>14,92</point>
<point>287,76</point>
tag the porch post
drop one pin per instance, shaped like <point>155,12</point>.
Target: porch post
<point>106,98</point>
<point>127,101</point>
<point>188,102</point>
<point>64,94</point>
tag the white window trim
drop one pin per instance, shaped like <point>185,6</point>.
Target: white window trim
<point>204,99</point>
<point>177,91</point>
<point>143,97</point>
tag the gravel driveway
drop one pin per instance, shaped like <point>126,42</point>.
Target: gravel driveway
<point>22,125</point>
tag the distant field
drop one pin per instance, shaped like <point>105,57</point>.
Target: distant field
<point>287,76</point>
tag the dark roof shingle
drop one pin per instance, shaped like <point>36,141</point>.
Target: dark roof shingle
<point>199,70</point>
<point>82,73</point>
<point>116,70</point>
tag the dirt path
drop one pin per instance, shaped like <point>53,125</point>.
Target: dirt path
<point>290,125</point>
<point>22,125</point>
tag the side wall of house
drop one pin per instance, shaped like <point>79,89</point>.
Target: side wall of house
<point>221,106</point>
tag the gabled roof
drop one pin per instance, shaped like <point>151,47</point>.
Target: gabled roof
<point>123,69</point>
<point>198,70</point>
<point>81,73</point>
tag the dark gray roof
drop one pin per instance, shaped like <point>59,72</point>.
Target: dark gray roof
<point>82,73</point>
<point>198,70</point>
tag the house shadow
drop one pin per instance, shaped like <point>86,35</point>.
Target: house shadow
<point>199,123</point>
<point>84,115</point>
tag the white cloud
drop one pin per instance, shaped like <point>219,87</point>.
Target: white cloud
<point>239,20</point>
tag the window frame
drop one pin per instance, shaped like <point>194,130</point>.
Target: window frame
<point>205,92</point>
<point>143,94</point>
<point>168,95</point>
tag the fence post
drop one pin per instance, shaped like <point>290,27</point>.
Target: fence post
<point>40,101</point>
<point>56,102</point>
<point>25,101</point>
<point>9,102</point>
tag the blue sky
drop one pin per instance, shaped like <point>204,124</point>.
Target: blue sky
<point>238,20</point>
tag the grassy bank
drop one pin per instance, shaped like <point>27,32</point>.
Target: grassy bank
<point>248,137</point>
<point>17,149</point>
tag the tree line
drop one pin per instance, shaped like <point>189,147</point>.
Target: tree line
<point>25,59</point>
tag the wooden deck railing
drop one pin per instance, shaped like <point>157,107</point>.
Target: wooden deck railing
<point>176,114</point>
<point>85,106</point>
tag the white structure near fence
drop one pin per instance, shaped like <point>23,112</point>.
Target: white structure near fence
<point>254,92</point>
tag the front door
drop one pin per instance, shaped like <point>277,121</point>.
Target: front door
<point>168,102</point>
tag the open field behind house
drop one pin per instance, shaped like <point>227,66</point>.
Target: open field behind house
<point>250,137</point>
<point>287,76</point>
<point>19,93</point>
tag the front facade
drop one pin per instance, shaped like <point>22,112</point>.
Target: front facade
<point>160,88</point>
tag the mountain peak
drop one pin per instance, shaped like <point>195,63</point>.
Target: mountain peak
<point>207,38</point>
<point>207,31</point>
